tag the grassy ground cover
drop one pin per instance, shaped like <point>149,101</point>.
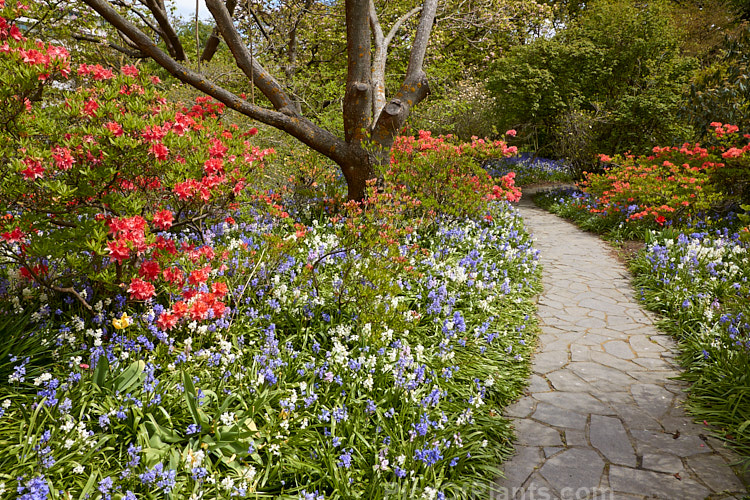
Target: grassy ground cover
<point>686,205</point>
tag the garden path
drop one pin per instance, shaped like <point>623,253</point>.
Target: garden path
<point>602,417</point>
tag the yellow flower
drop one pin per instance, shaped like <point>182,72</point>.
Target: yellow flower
<point>121,323</point>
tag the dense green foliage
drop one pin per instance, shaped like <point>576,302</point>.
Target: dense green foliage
<point>609,82</point>
<point>721,90</point>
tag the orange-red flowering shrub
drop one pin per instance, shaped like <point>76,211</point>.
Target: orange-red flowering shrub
<point>447,177</point>
<point>673,182</point>
<point>95,186</point>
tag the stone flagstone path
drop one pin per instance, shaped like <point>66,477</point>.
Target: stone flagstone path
<point>602,418</point>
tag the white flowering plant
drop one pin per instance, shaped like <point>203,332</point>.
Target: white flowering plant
<point>699,281</point>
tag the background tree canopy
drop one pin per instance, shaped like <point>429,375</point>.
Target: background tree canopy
<point>614,75</point>
<point>618,75</point>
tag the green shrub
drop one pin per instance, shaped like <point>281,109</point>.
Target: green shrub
<point>613,78</point>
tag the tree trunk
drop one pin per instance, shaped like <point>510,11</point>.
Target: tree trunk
<point>358,168</point>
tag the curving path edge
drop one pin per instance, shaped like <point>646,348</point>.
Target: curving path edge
<point>602,417</point>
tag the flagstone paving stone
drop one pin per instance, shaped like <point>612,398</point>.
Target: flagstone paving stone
<point>602,416</point>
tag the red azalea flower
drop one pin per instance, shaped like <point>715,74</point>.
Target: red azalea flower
<point>219,309</point>
<point>141,290</point>
<point>115,128</point>
<point>199,275</point>
<point>207,252</point>
<point>198,310</point>
<point>166,321</point>
<point>219,288</point>
<point>163,219</point>
<point>15,236</point>
<point>149,270</point>
<point>129,70</point>
<point>173,275</point>
<point>180,308</point>
<point>33,172</point>
<point>217,149</point>
<point>184,190</point>
<point>159,150</point>
<point>89,109</point>
<point>63,159</point>
<point>213,166</point>
<point>118,250</point>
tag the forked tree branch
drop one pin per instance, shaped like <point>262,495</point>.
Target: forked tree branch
<point>249,65</point>
<point>212,44</point>
<point>174,45</point>
<point>141,15</point>
<point>381,55</point>
<point>415,86</point>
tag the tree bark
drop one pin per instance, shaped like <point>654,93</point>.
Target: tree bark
<point>212,44</point>
<point>172,41</point>
<point>358,96</point>
<point>380,56</point>
<point>412,91</point>
<point>249,65</point>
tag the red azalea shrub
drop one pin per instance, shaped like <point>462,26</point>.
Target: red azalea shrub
<point>96,184</point>
<point>449,178</point>
<point>673,182</point>
<point>29,64</point>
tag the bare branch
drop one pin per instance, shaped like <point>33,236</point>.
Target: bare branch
<point>174,45</point>
<point>249,65</point>
<point>71,290</point>
<point>137,54</point>
<point>301,128</point>
<point>291,66</point>
<point>212,44</point>
<point>49,284</point>
<point>140,14</point>
<point>258,23</point>
<point>421,39</point>
<point>400,22</point>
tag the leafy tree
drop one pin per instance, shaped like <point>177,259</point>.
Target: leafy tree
<point>720,92</point>
<point>615,72</point>
<point>367,138</point>
<point>706,25</point>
